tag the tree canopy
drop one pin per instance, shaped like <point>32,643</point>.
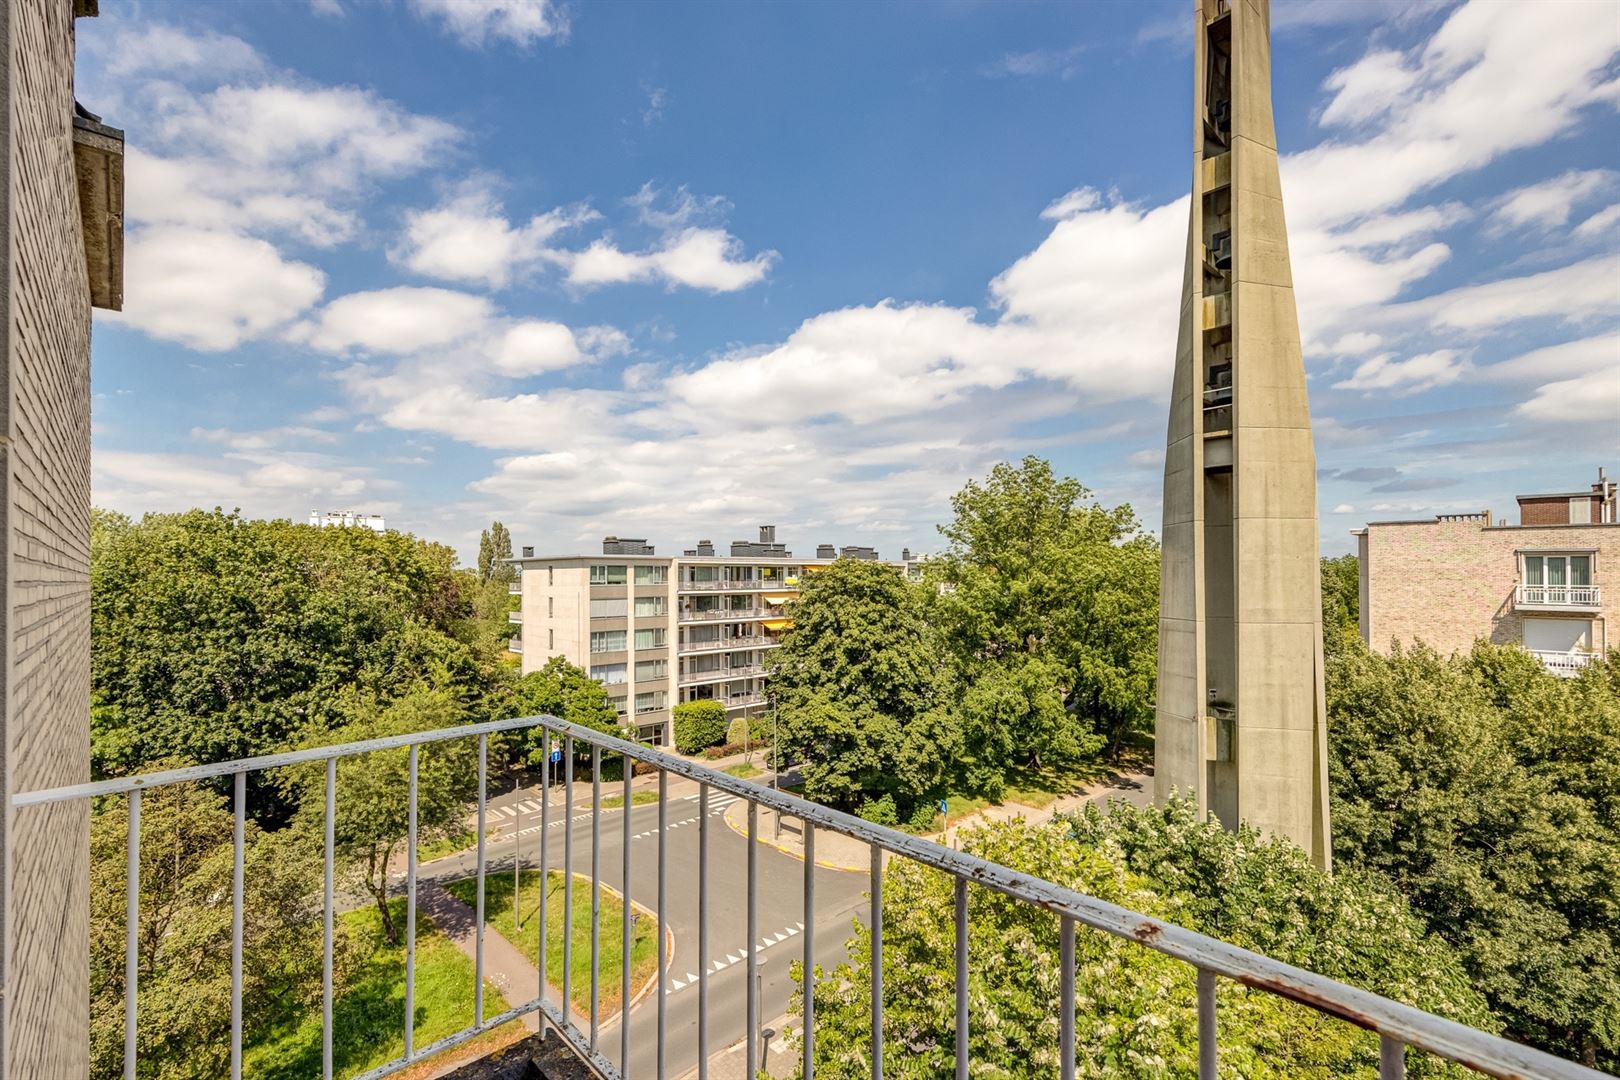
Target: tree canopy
<point>1041,584</point>
<point>1488,791</point>
<point>1138,1015</point>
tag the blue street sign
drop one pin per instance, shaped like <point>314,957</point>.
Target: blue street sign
<point>556,756</point>
<point>944,807</point>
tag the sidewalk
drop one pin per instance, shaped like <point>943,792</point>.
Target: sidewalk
<point>838,852</point>
<point>732,1063</point>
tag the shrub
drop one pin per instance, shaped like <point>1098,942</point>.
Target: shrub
<point>880,811</point>
<point>714,753</point>
<point>746,731</point>
<point>699,725</point>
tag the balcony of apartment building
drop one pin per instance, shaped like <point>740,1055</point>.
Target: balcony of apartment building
<point>1557,581</point>
<point>709,999</point>
<point>724,642</point>
<point>693,675</point>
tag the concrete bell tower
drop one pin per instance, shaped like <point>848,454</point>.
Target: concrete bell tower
<point>1241,715</point>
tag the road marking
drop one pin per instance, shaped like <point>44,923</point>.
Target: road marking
<point>530,807</point>
<point>734,957</point>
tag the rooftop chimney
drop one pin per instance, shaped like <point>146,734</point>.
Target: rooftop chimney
<point>767,534</point>
<point>826,551</point>
<point>528,551</point>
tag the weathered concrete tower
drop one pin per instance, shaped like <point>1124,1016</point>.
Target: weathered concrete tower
<point>1241,712</point>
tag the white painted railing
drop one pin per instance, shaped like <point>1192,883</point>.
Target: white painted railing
<point>1564,596</point>
<point>1567,664</point>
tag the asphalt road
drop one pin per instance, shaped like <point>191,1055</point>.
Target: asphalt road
<point>781,919</point>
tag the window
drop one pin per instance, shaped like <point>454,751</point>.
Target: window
<point>607,641</point>
<point>649,605</point>
<point>652,575</point>
<point>551,607</point>
<point>650,702</point>
<point>608,674</point>
<point>551,639</point>
<point>705,573</point>
<point>551,575</point>
<point>608,575</point>
<point>609,609</point>
<point>649,639</point>
<point>652,734</point>
<point>620,705</point>
<point>651,669</point>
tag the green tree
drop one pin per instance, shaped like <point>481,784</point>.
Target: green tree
<point>1488,791</point>
<point>1341,600</point>
<point>863,689</point>
<point>699,725</point>
<point>184,941</point>
<point>1139,1011</point>
<point>567,692</point>
<point>494,548</point>
<point>1037,568</point>
<point>216,637</point>
<point>373,802</point>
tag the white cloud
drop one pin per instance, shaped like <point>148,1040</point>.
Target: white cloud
<point>1425,372</point>
<point>1593,355</point>
<point>211,291</point>
<point>1579,291</point>
<point>1062,63</point>
<point>657,99</point>
<point>529,348</point>
<point>475,22</point>
<point>709,259</point>
<point>172,53</point>
<point>261,483</point>
<point>1548,204</point>
<point>329,9</point>
<point>1591,398</point>
<point>1603,223</point>
<point>400,320</point>
<point>470,239</point>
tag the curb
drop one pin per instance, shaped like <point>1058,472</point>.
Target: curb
<point>789,852</point>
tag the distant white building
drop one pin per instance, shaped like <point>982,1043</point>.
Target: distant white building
<point>350,518</point>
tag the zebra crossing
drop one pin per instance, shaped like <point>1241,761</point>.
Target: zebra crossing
<point>736,956</point>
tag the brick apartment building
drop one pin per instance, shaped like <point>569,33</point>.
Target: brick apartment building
<point>1548,583</point>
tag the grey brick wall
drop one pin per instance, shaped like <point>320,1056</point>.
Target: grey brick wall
<point>45,531</point>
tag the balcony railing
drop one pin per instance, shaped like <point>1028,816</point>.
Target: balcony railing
<point>1399,1026</point>
<point>515,589</point>
<point>693,678</point>
<point>515,617</point>
<point>743,701</point>
<point>1559,596</point>
<point>1565,664</point>
<point>515,645</point>
<point>757,642</point>
<point>742,614</point>
<point>736,586</point>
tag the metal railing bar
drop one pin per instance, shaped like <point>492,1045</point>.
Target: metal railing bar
<point>1391,1059</point>
<point>703,931</point>
<point>265,761</point>
<point>877,963</point>
<point>663,890</point>
<point>132,931</point>
<point>961,946</point>
<point>517,854</point>
<point>478,946</point>
<point>545,867</point>
<point>596,890</point>
<point>1207,1052</point>
<point>238,842</point>
<point>627,919</point>
<point>410,913</point>
<point>1449,1039</point>
<point>568,879</point>
<point>327,915</point>
<point>751,991</point>
<point>809,1034</point>
<point>548,1014</point>
<point>1066,999</point>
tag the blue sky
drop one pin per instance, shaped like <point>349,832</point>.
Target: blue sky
<point>677,270</point>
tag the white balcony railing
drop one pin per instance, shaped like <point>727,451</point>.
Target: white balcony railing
<point>1399,1026</point>
<point>696,678</point>
<point>743,701</point>
<point>1565,664</point>
<point>515,645</point>
<point>515,617</point>
<point>1559,596</point>
<point>752,585</point>
<point>759,642</point>
<point>515,589</point>
<point>720,615</point>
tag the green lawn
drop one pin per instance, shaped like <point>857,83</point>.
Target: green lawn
<point>368,1013</point>
<point>743,770</point>
<point>1041,787</point>
<point>637,798</point>
<point>498,915</point>
<point>459,840</point>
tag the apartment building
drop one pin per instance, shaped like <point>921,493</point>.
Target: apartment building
<point>1548,583</point>
<point>657,630</point>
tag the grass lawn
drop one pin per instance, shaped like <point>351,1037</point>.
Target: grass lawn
<point>743,770</point>
<point>1042,787</point>
<point>458,840</point>
<point>637,798</point>
<point>368,1013</point>
<point>498,912</point>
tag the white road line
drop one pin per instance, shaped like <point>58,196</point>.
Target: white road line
<point>733,958</point>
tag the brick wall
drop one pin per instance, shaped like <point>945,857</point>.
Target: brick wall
<point>1450,583</point>
<point>45,594</point>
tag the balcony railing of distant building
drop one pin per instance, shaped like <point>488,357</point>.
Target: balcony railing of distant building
<point>515,617</point>
<point>696,678</point>
<point>1565,664</point>
<point>757,642</point>
<point>751,585</point>
<point>515,589</point>
<point>744,701</point>
<point>1559,596</point>
<point>515,645</point>
<point>721,614</point>
<point>1399,1027</point>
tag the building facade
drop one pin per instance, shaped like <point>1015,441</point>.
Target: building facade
<point>1548,583</point>
<point>61,239</point>
<point>657,630</point>
<point>1241,713</point>
<point>347,519</point>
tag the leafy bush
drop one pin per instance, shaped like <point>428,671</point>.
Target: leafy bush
<point>880,811</point>
<point>699,725</point>
<point>746,731</point>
